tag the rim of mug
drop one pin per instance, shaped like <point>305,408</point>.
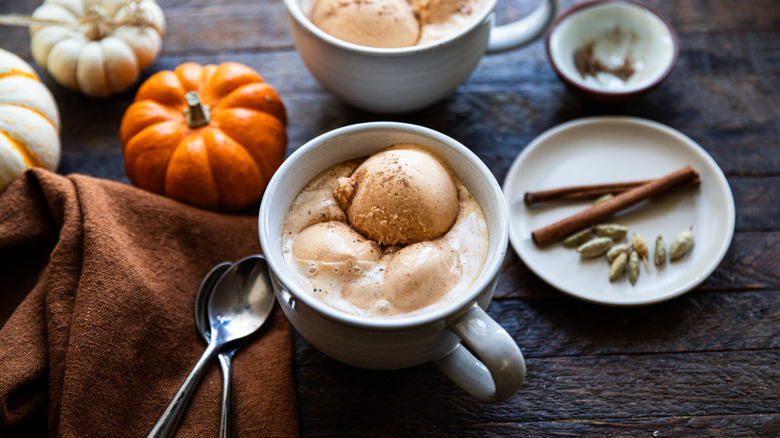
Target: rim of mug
<point>296,12</point>
<point>487,274</point>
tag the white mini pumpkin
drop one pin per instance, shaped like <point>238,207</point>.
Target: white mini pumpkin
<point>98,47</point>
<point>29,120</point>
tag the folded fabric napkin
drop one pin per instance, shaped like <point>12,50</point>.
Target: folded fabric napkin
<point>97,291</point>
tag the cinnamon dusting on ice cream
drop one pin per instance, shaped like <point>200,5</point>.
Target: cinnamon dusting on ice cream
<point>392,23</point>
<point>401,195</point>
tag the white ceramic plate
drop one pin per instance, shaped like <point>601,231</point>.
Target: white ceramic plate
<point>612,149</point>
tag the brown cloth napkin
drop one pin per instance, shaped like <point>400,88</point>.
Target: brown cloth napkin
<point>105,277</point>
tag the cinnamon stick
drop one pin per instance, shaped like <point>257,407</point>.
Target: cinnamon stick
<point>554,232</point>
<point>575,193</point>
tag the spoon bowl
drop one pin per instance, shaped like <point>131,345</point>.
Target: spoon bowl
<point>241,301</point>
<point>202,299</point>
<point>226,428</point>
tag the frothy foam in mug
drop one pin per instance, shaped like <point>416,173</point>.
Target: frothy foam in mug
<point>391,23</point>
<point>395,234</point>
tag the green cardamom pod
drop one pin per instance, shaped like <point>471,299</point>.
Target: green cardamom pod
<point>660,251</point>
<point>613,231</point>
<point>595,247</point>
<point>578,238</point>
<point>616,250</point>
<point>640,246</point>
<point>681,244</point>
<point>633,267</point>
<point>618,266</point>
<point>603,198</point>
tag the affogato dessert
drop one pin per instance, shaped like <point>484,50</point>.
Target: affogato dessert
<point>393,234</point>
<point>391,23</point>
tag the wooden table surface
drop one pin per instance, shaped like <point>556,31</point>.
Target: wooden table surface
<point>704,364</point>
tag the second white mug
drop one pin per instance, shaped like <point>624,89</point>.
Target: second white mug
<point>409,78</point>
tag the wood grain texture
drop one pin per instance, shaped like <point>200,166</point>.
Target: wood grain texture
<point>556,388</point>
<point>715,426</point>
<point>704,364</point>
<point>557,327</point>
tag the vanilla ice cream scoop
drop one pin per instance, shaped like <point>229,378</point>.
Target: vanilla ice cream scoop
<point>400,196</point>
<point>373,23</point>
<point>441,18</point>
<point>415,277</point>
<point>334,242</point>
<point>420,274</point>
<point>333,253</point>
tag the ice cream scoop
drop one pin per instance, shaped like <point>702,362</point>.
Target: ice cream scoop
<point>334,242</point>
<point>416,276</point>
<point>441,18</point>
<point>373,23</point>
<point>333,253</point>
<point>420,274</point>
<point>400,196</point>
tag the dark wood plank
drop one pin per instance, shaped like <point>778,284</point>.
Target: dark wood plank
<point>728,54</point>
<point>244,25</point>
<point>339,397</point>
<point>733,118</point>
<point>497,125</point>
<point>755,204</point>
<point>562,326</point>
<point>212,27</point>
<point>202,27</point>
<point>693,323</point>
<point>678,426</point>
<point>237,25</point>
<point>15,38</point>
<point>719,15</point>
<point>716,113</point>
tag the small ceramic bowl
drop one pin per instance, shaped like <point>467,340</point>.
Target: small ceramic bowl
<point>612,51</point>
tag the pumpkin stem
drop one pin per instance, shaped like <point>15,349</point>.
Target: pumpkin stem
<point>196,114</point>
<point>98,25</point>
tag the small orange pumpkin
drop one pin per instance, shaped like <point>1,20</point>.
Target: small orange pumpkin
<point>209,136</point>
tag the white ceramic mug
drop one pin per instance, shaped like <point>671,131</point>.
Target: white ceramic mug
<point>409,78</point>
<point>401,342</point>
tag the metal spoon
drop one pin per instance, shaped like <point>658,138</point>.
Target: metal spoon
<point>240,303</point>
<point>225,355</point>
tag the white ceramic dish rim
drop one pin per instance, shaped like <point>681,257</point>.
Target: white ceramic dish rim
<point>492,265</point>
<point>582,8</point>
<point>294,9</point>
<point>541,139</point>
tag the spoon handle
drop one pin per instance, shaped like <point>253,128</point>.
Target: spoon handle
<point>226,419</point>
<point>170,419</point>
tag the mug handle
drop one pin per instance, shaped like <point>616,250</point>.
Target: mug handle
<point>521,32</point>
<point>501,370</point>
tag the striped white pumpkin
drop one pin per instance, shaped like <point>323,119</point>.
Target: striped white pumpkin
<point>101,63</point>
<point>29,120</point>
